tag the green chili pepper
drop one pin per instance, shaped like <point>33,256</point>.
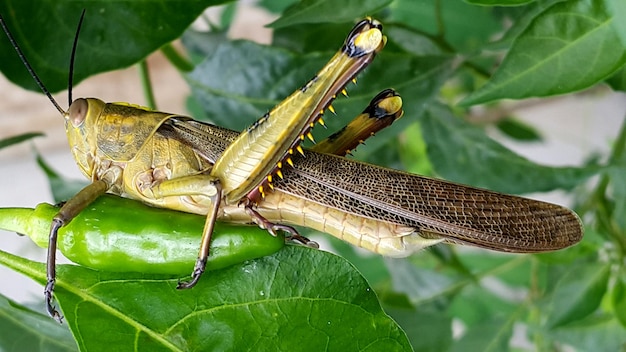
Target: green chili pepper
<point>122,235</point>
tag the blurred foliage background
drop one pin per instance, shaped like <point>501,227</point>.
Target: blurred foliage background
<point>451,61</point>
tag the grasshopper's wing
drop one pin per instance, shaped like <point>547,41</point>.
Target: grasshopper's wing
<point>435,208</point>
<point>208,140</point>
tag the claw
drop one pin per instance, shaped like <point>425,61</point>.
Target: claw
<point>302,240</point>
<point>48,300</point>
<point>270,226</point>
<point>195,275</point>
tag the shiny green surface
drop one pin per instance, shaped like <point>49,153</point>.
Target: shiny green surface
<point>121,235</point>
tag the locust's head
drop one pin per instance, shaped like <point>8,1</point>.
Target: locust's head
<point>81,128</point>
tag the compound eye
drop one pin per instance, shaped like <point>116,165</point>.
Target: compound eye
<point>78,111</point>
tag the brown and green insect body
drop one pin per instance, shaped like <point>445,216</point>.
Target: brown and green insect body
<point>391,212</point>
<point>116,143</point>
<point>375,234</point>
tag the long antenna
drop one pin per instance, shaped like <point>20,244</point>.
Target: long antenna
<point>28,66</point>
<point>70,82</point>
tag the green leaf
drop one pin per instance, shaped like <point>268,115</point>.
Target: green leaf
<point>62,188</point>
<point>513,270</point>
<point>461,153</point>
<point>428,328</point>
<point>578,293</point>
<point>492,335</point>
<point>371,265</point>
<point>518,130</point>
<point>570,46</point>
<point>411,41</point>
<point>201,44</point>
<point>477,304</point>
<point>112,36</point>
<point>618,182</point>
<point>413,151</point>
<point>618,80</point>
<point>617,8</point>
<point>498,2</point>
<point>619,298</point>
<point>587,249</point>
<point>324,11</point>
<point>25,330</point>
<point>520,23</point>
<point>595,333</point>
<point>9,141</point>
<point>463,34</point>
<point>297,297</point>
<point>309,38</point>
<point>420,285</point>
<point>276,6</point>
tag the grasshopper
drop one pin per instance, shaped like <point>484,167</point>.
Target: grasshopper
<point>117,147</point>
<point>173,161</point>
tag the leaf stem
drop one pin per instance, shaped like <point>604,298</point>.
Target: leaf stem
<point>15,219</point>
<point>439,19</point>
<point>604,215</point>
<point>619,148</point>
<point>535,314</point>
<point>144,73</point>
<point>176,59</point>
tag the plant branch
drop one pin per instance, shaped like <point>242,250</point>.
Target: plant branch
<point>176,59</point>
<point>146,84</point>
